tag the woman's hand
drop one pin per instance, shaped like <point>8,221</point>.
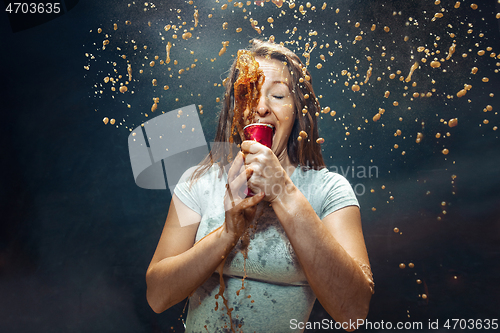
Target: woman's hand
<point>268,175</point>
<point>240,211</point>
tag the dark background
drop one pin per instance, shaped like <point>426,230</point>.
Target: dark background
<point>77,234</point>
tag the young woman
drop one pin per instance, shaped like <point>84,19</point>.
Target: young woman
<point>297,239</point>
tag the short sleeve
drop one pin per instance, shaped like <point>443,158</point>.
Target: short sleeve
<point>188,191</point>
<point>339,194</point>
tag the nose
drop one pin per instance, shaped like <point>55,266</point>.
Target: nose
<point>262,107</point>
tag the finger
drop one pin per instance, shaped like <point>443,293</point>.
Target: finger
<point>240,181</point>
<point>251,201</point>
<point>235,167</point>
<point>251,147</point>
<point>230,194</point>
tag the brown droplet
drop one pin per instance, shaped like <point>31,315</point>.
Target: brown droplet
<point>320,140</point>
<point>402,266</point>
<point>224,46</point>
<point>435,64</point>
<point>355,87</point>
<point>123,89</point>
<point>105,120</point>
<point>461,93</point>
<point>445,151</point>
<point>453,122</point>
<point>396,230</point>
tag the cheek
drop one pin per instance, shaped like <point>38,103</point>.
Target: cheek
<point>288,112</point>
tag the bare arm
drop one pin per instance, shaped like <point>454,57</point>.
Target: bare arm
<point>327,251</point>
<point>178,268</point>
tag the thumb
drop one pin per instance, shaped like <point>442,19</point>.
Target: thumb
<point>252,201</point>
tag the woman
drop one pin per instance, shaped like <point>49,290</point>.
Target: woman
<point>300,233</point>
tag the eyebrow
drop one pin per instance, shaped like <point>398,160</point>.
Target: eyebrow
<point>282,82</point>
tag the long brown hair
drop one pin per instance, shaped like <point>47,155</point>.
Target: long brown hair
<point>305,152</point>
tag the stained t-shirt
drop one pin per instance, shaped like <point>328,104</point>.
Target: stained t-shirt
<point>276,289</point>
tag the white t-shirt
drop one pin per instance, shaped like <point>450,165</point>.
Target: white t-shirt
<point>276,289</point>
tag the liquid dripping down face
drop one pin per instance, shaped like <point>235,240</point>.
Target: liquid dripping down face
<point>276,104</point>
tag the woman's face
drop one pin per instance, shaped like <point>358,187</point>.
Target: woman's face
<point>276,104</point>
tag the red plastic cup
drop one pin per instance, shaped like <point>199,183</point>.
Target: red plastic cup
<point>262,133</point>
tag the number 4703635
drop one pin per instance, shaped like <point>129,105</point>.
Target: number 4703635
<point>475,324</point>
<point>33,8</point>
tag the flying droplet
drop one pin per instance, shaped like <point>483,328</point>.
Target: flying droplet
<point>435,64</point>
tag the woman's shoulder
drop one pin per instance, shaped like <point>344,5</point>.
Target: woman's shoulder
<point>325,190</point>
<point>196,173</point>
<point>322,175</point>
